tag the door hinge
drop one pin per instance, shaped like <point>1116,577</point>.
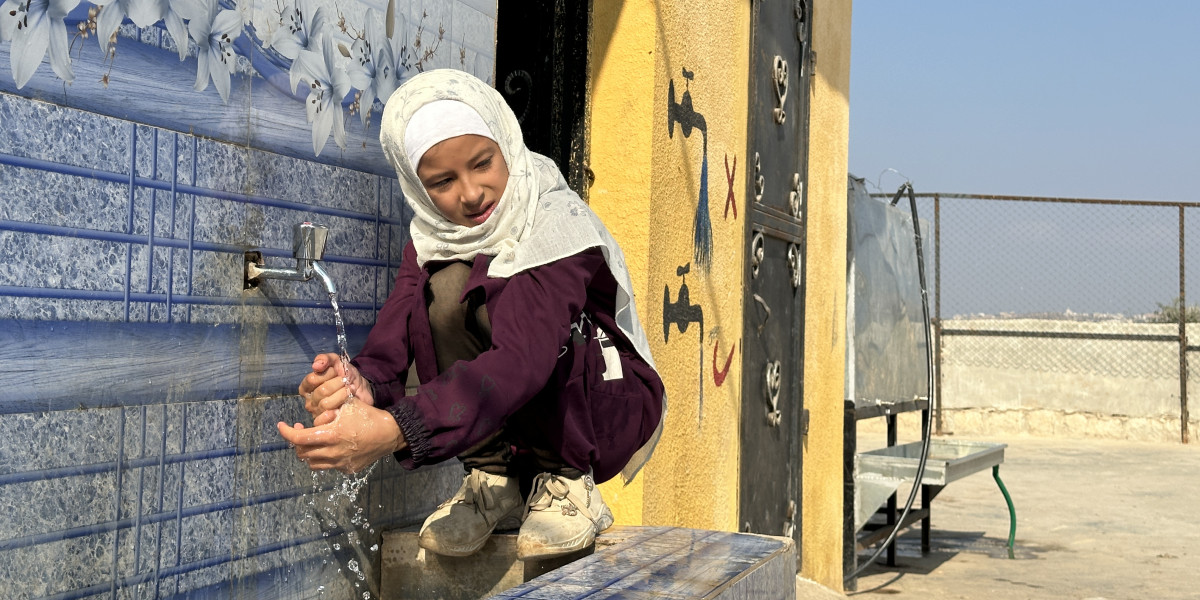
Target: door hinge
<point>804,422</point>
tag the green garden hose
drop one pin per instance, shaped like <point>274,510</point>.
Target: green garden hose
<point>1012,512</point>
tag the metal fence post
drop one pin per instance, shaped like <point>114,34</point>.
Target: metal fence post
<point>1183,341</point>
<point>937,319</point>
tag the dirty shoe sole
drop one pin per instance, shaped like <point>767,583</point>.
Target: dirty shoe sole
<point>429,541</point>
<point>529,549</point>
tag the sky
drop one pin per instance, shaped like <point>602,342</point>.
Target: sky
<point>1061,98</point>
<point>1094,99</point>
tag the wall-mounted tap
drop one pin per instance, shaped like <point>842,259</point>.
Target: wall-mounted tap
<point>308,246</point>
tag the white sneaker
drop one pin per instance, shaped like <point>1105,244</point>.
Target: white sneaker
<point>462,524</point>
<point>563,516</point>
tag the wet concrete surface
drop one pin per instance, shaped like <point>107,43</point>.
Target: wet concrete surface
<point>1096,519</point>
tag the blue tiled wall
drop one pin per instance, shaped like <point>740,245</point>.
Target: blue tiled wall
<point>138,450</point>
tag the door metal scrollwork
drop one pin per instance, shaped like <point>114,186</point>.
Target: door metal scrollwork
<point>796,265</point>
<point>759,182</point>
<point>774,382</point>
<point>781,88</point>
<point>796,196</point>
<point>756,253</point>
<point>763,303</point>
<point>801,12</point>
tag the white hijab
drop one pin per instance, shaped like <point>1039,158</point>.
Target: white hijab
<point>538,220</point>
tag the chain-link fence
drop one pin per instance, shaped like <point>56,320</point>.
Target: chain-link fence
<point>1077,306</point>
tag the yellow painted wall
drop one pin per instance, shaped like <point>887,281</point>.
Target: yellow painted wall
<point>647,189</point>
<point>825,300</point>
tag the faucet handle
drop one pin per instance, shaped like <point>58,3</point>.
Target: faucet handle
<point>308,241</point>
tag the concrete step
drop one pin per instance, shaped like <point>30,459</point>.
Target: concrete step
<point>664,563</point>
<point>409,572</point>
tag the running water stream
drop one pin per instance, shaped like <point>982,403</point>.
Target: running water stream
<point>337,319</point>
<point>349,487</point>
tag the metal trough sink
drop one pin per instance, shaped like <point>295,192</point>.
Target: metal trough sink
<point>949,460</point>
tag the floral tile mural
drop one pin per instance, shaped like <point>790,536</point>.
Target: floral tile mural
<point>145,145</point>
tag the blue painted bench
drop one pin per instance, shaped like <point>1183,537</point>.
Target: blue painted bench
<point>668,563</point>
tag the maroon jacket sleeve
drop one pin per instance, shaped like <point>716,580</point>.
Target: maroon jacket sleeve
<point>531,320</point>
<point>387,353</point>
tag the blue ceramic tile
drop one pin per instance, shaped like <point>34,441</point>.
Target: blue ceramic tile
<point>146,481</point>
<point>95,265</point>
<point>143,199</point>
<point>63,135</point>
<point>143,591</point>
<point>186,159</point>
<point>168,548</point>
<point>52,309</point>
<point>164,206</point>
<point>217,274</point>
<point>125,546</point>
<point>296,180</point>
<point>77,437</point>
<point>38,507</point>
<point>351,237</point>
<point>220,166</point>
<point>34,196</point>
<point>140,492</point>
<point>208,481</point>
<point>178,272</point>
<point>158,313</point>
<point>56,567</point>
<point>211,425</point>
<point>206,535</point>
<point>203,578</point>
<point>167,153</point>
<point>226,221</point>
<point>136,434</point>
<point>147,149</point>
<point>156,270</point>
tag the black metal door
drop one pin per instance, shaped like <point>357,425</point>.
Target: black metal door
<point>773,418</point>
<point>541,70</point>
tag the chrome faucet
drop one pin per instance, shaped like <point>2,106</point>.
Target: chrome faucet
<point>308,246</point>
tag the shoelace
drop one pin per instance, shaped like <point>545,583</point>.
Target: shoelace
<point>547,488</point>
<point>478,492</point>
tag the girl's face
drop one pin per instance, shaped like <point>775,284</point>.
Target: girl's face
<point>465,177</point>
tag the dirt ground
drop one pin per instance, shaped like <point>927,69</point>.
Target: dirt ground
<point>1096,519</point>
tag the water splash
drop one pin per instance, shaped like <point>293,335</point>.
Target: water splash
<point>337,320</point>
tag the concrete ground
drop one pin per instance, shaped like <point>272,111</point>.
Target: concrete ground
<point>1096,519</point>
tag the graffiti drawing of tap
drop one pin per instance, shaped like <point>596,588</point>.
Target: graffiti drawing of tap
<point>683,313</point>
<point>688,119</point>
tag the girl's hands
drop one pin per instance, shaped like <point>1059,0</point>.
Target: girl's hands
<point>349,440</point>
<point>330,385</point>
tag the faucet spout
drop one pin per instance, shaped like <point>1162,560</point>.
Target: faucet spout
<point>308,247</point>
<point>325,278</point>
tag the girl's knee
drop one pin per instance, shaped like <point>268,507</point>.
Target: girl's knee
<point>446,313</point>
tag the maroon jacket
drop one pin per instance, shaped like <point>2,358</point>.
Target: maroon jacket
<point>539,381</point>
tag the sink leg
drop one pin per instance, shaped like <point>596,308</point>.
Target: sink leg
<point>927,521</point>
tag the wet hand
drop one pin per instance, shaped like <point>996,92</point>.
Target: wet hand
<point>330,385</point>
<point>348,440</point>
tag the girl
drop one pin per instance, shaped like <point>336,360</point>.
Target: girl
<point>514,305</point>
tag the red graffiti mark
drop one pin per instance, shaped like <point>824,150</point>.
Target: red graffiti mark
<point>719,376</point>
<point>730,200</point>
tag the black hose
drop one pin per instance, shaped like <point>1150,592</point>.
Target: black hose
<point>928,429</point>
